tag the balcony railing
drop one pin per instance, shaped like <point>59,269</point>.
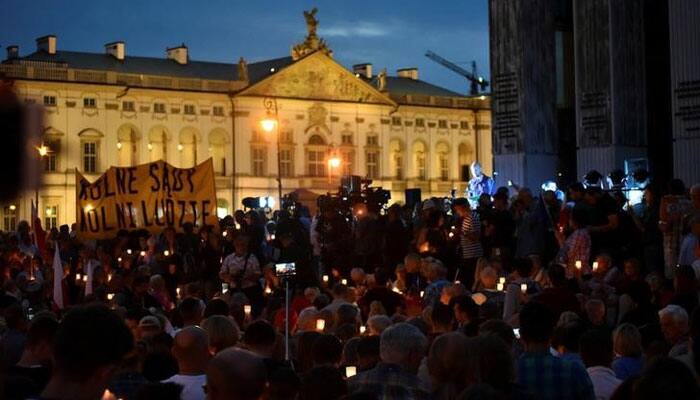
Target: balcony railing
<point>476,102</point>
<point>59,72</point>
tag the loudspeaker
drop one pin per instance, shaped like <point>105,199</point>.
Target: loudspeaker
<point>413,197</point>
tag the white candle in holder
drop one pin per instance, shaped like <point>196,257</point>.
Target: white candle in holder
<point>523,287</point>
<point>320,325</point>
<point>350,371</point>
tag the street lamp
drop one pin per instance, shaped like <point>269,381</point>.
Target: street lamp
<point>43,151</point>
<point>269,124</point>
<point>333,162</point>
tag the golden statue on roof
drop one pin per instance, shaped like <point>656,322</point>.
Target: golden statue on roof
<point>312,42</point>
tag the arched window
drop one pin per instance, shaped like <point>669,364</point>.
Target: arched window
<point>316,156</point>
<point>158,144</point>
<point>128,145</point>
<point>419,157</point>
<point>396,159</point>
<point>442,151</point>
<point>465,155</point>
<point>90,140</point>
<point>217,150</point>
<point>188,148</point>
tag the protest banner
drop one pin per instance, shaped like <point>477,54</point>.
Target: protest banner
<point>149,196</point>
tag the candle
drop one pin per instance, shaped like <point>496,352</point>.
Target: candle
<point>128,251</point>
<point>238,226</point>
<point>458,282</point>
<point>350,371</point>
<point>268,290</point>
<point>272,237</point>
<point>119,259</point>
<point>177,291</point>
<point>362,329</point>
<point>523,287</point>
<point>166,253</point>
<point>224,287</point>
<point>344,281</point>
<point>422,292</point>
<point>502,280</point>
<point>247,309</point>
<point>109,277</point>
<point>110,296</point>
<point>77,277</point>
<point>396,290</point>
<point>451,234</point>
<point>578,264</point>
<point>320,325</point>
<point>84,278</point>
<point>224,233</point>
<point>499,286</point>
<point>595,265</point>
<point>325,278</point>
<point>143,253</point>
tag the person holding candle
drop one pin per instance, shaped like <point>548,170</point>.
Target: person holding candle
<point>241,270</point>
<point>575,250</point>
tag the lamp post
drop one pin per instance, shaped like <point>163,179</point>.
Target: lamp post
<point>271,123</point>
<point>333,162</point>
<point>43,151</point>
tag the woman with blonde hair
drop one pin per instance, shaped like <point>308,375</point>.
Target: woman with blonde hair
<point>627,344</point>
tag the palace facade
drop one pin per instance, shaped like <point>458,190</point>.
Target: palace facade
<point>105,109</point>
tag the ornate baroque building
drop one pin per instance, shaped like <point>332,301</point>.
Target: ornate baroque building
<point>105,109</point>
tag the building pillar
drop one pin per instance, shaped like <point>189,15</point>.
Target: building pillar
<point>611,117</point>
<point>524,91</point>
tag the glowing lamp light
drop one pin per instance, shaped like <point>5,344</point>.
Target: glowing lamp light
<point>268,124</point>
<point>13,207</point>
<point>320,325</point>
<point>578,264</point>
<point>350,371</point>
<point>362,329</point>
<point>166,253</point>
<point>247,309</point>
<point>422,292</point>
<point>143,253</point>
<point>523,287</point>
<point>499,287</point>
<point>325,278</point>
<point>334,162</point>
<point>595,265</point>
<point>49,211</point>
<point>150,146</point>
<point>128,251</point>
<point>268,290</point>
<point>344,281</point>
<point>43,150</point>
<point>110,296</point>
<point>119,145</point>
<point>180,147</point>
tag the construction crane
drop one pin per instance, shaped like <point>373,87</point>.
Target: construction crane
<point>476,82</point>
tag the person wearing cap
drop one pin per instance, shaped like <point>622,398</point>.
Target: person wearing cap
<point>149,326</point>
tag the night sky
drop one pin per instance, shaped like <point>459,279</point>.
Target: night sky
<point>391,34</point>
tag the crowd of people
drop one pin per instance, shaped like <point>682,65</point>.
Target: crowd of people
<point>518,295</point>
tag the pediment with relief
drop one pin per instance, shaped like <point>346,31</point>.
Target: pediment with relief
<point>317,77</point>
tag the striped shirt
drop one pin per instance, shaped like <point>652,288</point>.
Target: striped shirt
<point>546,377</point>
<point>471,248</point>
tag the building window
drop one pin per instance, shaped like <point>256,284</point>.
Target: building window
<point>442,124</point>
<point>372,164</point>
<point>128,106</point>
<point>346,139</point>
<point>189,109</point>
<point>258,157</point>
<point>50,217</point>
<point>159,108</point>
<point>372,140</point>
<point>396,120</point>
<point>464,125</point>
<point>9,216</point>
<point>420,123</point>
<point>420,165</point>
<point>347,159</point>
<point>218,111</point>
<point>316,162</point>
<point>51,158</point>
<point>89,102</point>
<point>50,101</point>
<point>90,157</point>
<point>444,166</point>
<point>398,165</point>
<point>286,167</point>
<point>287,136</point>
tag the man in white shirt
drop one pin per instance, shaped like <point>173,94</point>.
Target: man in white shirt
<point>596,351</point>
<point>191,350</point>
<point>241,267</point>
